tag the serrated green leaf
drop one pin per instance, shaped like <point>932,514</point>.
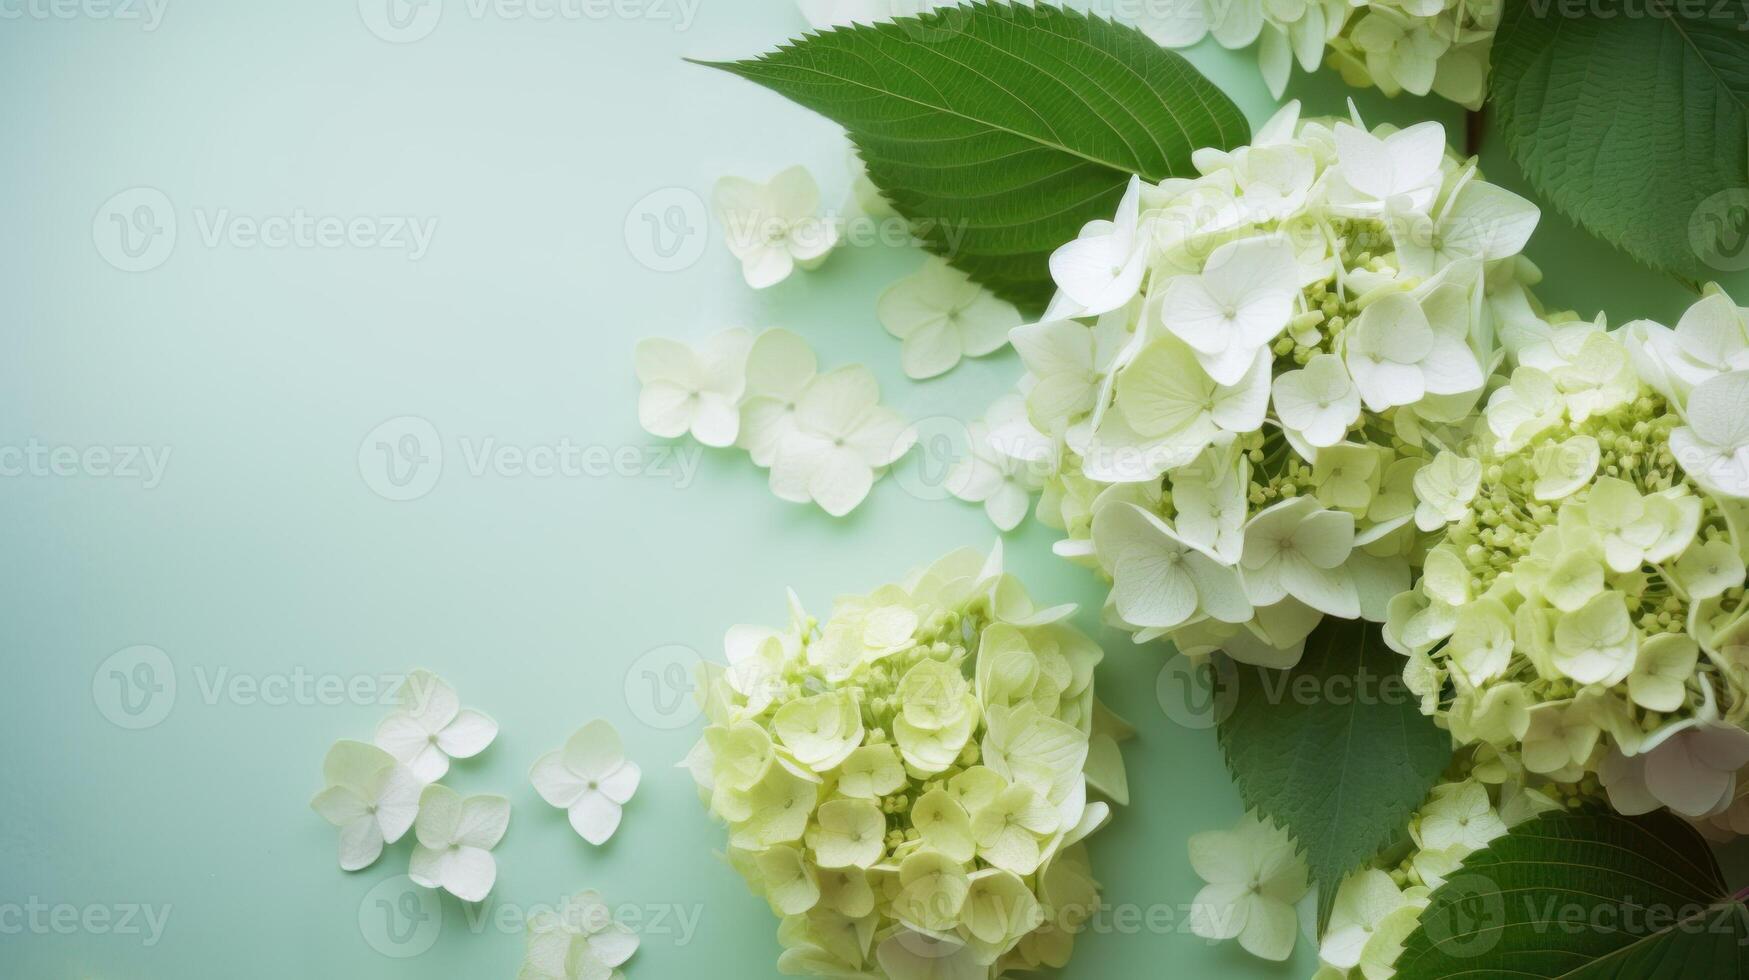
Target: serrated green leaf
<point>1335,749</point>
<point>1631,120</point>
<point>1000,130</point>
<point>1585,896</point>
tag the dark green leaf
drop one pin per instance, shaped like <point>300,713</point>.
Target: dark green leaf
<point>1584,895</point>
<point>1000,130</point>
<point>1336,749</point>
<point>1633,119</point>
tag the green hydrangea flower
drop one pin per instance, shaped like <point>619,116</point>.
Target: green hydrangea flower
<point>908,782</point>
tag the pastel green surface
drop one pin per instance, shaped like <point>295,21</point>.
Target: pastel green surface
<point>267,567</point>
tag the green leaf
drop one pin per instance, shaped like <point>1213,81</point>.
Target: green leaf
<point>1633,121</point>
<point>1335,749</point>
<point>1000,130</point>
<point>1584,895</point>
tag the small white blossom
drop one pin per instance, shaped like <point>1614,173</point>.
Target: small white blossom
<point>775,226</point>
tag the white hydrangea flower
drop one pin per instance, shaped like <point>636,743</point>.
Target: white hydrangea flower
<point>1713,447</point>
<point>1444,489</point>
<point>1460,815</point>
<point>776,226</point>
<point>1102,269</point>
<point>1003,467</point>
<point>1255,875</point>
<point>1318,401</point>
<point>370,796</point>
<point>1397,355</point>
<point>1522,409</point>
<point>1300,549</point>
<point>696,390</point>
<point>590,778</point>
<point>456,837</point>
<point>580,940</point>
<point>1479,222</point>
<point>941,315</point>
<point>1402,53</point>
<point>1363,903</point>
<point>1159,579</point>
<point>1596,643</point>
<point>1235,307</point>
<point>780,366</point>
<point>429,727</point>
<point>842,437</point>
<point>1165,395</point>
<point>1712,337</point>
<point>1393,173</point>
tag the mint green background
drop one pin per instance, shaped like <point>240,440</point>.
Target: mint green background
<point>264,552</point>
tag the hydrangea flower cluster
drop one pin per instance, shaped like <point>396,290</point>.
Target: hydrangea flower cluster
<point>1242,374</point>
<point>908,782</point>
<point>824,436</point>
<point>1582,620</point>
<point>1416,46</point>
